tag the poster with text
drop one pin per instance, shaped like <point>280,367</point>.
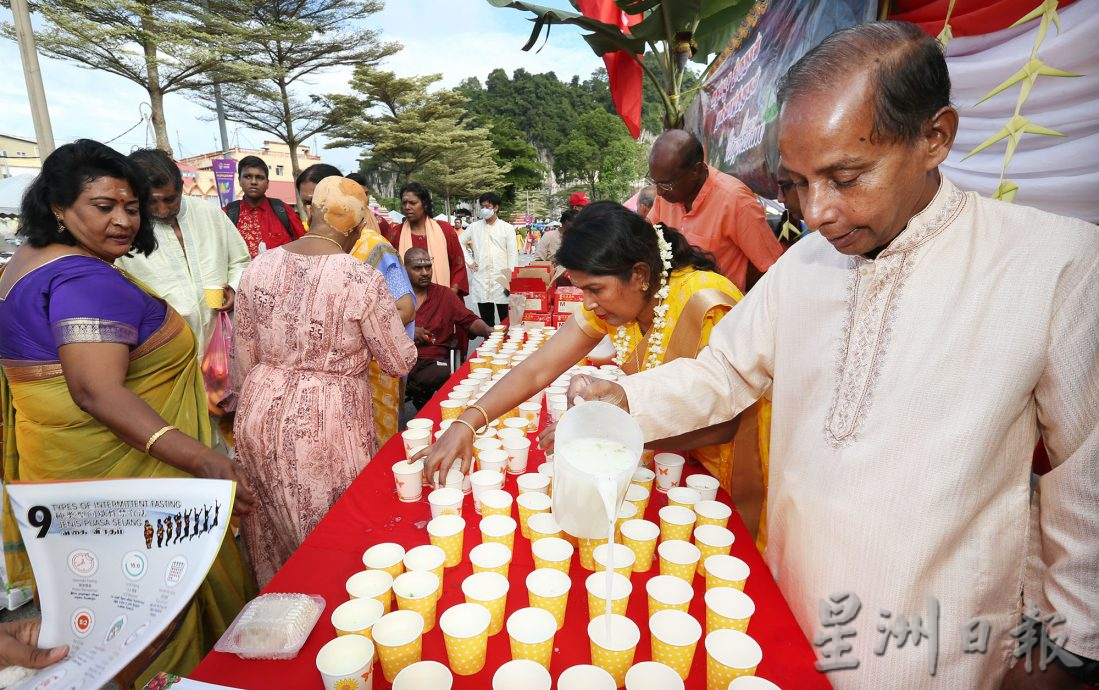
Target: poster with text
<point>115,561</point>
<point>735,114</point>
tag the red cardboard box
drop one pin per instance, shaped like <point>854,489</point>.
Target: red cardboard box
<point>540,317</point>
<point>567,300</point>
<point>533,283</point>
<point>560,319</point>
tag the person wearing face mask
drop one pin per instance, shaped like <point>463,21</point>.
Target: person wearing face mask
<point>310,319</point>
<point>491,254</point>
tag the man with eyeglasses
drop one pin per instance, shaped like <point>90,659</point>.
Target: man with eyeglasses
<point>716,212</point>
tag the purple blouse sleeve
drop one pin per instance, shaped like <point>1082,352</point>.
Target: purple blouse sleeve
<point>95,304</point>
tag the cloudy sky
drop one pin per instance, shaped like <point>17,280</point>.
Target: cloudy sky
<point>458,38</point>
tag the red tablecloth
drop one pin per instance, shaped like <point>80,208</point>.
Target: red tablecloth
<point>369,513</point>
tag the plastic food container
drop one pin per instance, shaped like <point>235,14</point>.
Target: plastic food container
<point>272,626</point>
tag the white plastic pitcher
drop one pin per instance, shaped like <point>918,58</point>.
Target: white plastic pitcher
<point>585,500</point>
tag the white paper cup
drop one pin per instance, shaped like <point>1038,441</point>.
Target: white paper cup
<point>516,423</point>
<point>529,413</point>
<point>652,675</point>
<point>683,495</point>
<point>521,674</point>
<point>510,433</point>
<point>725,571</point>
<point>547,468</point>
<point>357,616</point>
<point>415,438</point>
<point>482,481</point>
<point>669,469</point>
<point>426,557</point>
<point>734,650</point>
<point>481,445</point>
<point>518,450</point>
<point>713,513</point>
<point>496,500</point>
<point>409,478</point>
<point>618,557</point>
<point>444,424</point>
<point>368,584</point>
<point>445,502</point>
<point>668,591</point>
<point>490,555</point>
<point>752,683</point>
<point>385,556</point>
<point>420,423</point>
<point>454,478</point>
<point>424,674</point>
<point>585,677</point>
<point>705,485</point>
<point>495,460</point>
<point>533,482</point>
<point>350,656</point>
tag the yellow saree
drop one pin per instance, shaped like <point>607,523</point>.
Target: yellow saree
<point>47,437</point>
<point>385,391</point>
<point>697,301</point>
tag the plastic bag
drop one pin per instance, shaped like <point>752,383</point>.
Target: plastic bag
<point>220,397</point>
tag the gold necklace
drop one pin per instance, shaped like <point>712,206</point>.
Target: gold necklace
<point>326,239</point>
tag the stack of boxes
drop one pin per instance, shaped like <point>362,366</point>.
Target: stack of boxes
<point>546,303</point>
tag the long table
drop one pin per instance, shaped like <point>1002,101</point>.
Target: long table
<point>369,513</point>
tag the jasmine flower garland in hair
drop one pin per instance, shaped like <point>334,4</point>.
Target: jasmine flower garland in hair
<point>621,337</point>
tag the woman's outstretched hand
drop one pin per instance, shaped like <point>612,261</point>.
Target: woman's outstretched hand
<point>584,388</point>
<point>456,444</point>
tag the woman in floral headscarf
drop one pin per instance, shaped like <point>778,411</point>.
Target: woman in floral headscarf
<point>310,318</point>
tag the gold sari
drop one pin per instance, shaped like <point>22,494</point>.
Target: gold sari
<point>46,437</point>
<point>385,391</point>
<point>697,301</point>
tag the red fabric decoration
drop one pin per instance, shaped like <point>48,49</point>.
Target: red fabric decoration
<point>970,17</point>
<point>623,72</point>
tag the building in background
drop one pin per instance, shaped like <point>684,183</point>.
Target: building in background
<point>18,156</point>
<point>198,173</point>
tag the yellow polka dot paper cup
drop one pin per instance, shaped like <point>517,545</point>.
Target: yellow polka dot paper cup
<point>639,496</point>
<point>679,558</point>
<point>599,591</point>
<point>587,552</point>
<point>357,617</point>
<point>426,558</point>
<point>387,556</point>
<point>676,522</point>
<point>725,571</point>
<point>448,533</point>
<point>712,513</point>
<point>347,662</point>
<point>730,654</point>
<point>587,677</point>
<point>398,637</point>
<point>531,632</point>
<point>496,502</point>
<point>649,675</point>
<point>614,641</point>
<point>418,591</point>
<point>424,674</point>
<point>674,635</point>
<point>549,589</point>
<point>465,632</point>
<point>728,608</point>
<point>684,497</point>
<point>490,557</point>
<point>640,536</point>
<point>618,557</point>
<point>531,503</point>
<point>712,540</point>
<point>491,591</point>
<point>542,525</point>
<point>552,552</point>
<point>643,477</point>
<point>522,674</point>
<point>499,529</point>
<point>667,592</point>
<point>450,409</point>
<point>372,584</point>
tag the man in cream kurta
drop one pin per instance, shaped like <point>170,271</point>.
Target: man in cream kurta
<point>491,254</point>
<point>911,382</point>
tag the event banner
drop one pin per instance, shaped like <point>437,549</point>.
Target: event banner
<point>225,175</point>
<point>115,561</point>
<point>736,111</point>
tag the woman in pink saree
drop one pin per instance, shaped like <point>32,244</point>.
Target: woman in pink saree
<point>310,318</point>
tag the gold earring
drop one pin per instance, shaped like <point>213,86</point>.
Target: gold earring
<point>644,287</point>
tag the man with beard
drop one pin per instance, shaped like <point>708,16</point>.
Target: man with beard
<point>200,255</point>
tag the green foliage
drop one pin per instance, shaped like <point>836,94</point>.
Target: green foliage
<point>601,155</point>
<point>525,168</point>
<point>289,40</point>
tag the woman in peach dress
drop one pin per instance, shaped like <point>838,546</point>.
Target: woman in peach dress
<point>309,320</point>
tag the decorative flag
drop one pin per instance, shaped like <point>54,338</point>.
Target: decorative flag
<point>623,72</point>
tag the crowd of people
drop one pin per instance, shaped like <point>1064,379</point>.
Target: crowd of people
<point>878,369</point>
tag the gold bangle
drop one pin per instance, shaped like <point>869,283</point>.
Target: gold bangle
<point>156,436</point>
<point>483,413</point>
<point>468,425</point>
